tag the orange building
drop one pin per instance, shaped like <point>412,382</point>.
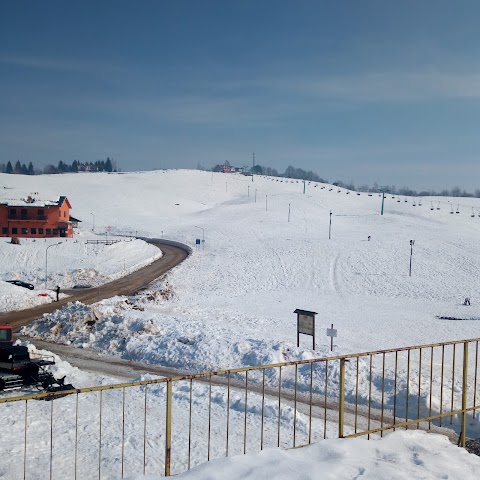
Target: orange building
<point>33,218</point>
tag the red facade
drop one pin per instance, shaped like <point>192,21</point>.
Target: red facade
<point>31,218</point>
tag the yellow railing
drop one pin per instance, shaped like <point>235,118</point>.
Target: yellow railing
<point>168,425</point>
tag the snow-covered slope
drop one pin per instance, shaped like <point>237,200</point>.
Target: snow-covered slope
<point>231,303</point>
<point>256,267</point>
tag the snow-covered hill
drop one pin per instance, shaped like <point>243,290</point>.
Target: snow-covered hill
<point>231,303</point>
<point>256,267</point>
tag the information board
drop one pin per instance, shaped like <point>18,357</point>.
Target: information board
<point>306,325</point>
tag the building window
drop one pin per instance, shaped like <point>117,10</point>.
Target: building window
<point>33,231</point>
<point>5,230</point>
<point>23,211</point>
<point>40,231</point>
<point>13,211</point>
<point>49,231</point>
<point>41,211</point>
<point>14,231</point>
<point>55,231</point>
<point>24,231</point>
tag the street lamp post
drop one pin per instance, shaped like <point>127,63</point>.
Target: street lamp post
<point>93,224</point>
<point>46,261</point>
<point>330,226</point>
<point>412,243</point>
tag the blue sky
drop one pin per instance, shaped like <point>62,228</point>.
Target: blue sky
<point>365,91</point>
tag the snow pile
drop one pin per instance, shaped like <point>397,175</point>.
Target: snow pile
<point>13,297</point>
<point>399,455</point>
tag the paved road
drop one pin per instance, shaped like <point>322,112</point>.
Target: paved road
<point>128,285</point>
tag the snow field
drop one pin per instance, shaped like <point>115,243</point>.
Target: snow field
<point>231,305</point>
<point>70,262</point>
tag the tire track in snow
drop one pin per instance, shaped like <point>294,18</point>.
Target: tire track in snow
<point>333,274</point>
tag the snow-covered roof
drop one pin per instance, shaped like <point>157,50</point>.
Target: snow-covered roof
<point>32,201</point>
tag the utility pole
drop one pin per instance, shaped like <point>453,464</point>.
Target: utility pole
<point>412,243</point>
<point>266,203</point>
<point>253,164</point>
<point>383,190</point>
<point>248,190</point>
<point>330,226</point>
<point>304,187</point>
<point>288,213</point>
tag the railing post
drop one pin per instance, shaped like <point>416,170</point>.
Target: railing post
<point>463,433</point>
<point>341,399</point>
<point>168,429</point>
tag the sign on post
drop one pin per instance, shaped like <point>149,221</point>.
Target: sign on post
<point>332,333</point>
<point>305,324</point>
<point>197,241</point>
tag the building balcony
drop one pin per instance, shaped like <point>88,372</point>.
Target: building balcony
<point>28,218</point>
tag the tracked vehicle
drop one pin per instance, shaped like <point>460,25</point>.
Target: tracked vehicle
<point>18,368</point>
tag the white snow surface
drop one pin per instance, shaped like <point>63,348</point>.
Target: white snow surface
<point>399,455</point>
<point>68,263</point>
<point>231,303</point>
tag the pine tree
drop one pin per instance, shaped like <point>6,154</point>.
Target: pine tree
<point>9,167</point>
<point>108,165</point>
<point>24,169</point>
<point>18,167</point>
<point>30,170</point>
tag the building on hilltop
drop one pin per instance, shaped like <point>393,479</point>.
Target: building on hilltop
<point>33,218</point>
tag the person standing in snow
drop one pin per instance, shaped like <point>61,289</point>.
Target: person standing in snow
<point>58,292</point>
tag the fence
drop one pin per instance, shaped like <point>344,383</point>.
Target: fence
<point>168,425</point>
<point>102,242</point>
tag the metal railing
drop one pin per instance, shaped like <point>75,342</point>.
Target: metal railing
<point>103,242</point>
<point>168,425</point>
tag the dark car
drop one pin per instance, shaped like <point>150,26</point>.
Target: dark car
<point>19,283</point>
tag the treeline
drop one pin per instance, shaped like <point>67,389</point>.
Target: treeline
<point>406,191</point>
<point>300,174</point>
<point>19,168</point>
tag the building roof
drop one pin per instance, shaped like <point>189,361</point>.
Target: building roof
<point>73,219</point>
<point>31,201</point>
<point>305,312</point>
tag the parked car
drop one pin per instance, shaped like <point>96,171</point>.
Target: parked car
<point>19,283</point>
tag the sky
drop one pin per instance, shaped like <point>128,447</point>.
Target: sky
<point>363,91</point>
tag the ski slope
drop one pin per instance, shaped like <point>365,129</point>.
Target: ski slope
<point>256,267</point>
<point>231,303</point>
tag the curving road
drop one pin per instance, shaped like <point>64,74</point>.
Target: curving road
<point>173,254</point>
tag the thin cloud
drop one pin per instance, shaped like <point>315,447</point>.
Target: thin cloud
<point>359,87</point>
<point>57,64</point>
<point>393,87</point>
